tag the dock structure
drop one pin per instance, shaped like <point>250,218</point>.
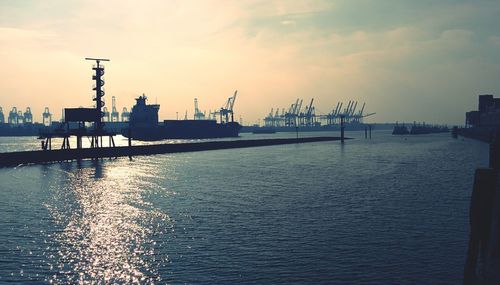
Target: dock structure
<point>483,254</point>
<point>81,116</point>
<point>10,159</point>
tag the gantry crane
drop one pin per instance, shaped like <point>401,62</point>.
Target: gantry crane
<point>115,116</point>
<point>198,115</point>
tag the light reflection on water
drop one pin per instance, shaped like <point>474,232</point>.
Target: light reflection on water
<point>106,226</point>
<point>390,210</point>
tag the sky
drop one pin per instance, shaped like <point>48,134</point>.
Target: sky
<point>408,60</point>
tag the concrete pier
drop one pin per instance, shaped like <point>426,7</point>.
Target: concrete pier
<point>44,156</point>
<point>482,265</point>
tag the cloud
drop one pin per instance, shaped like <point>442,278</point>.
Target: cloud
<point>403,52</point>
<point>495,40</point>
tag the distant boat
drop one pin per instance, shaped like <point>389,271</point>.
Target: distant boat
<point>264,130</point>
<point>31,129</point>
<point>400,130</point>
<point>421,129</point>
<point>144,126</point>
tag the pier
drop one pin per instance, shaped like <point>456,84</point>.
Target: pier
<point>10,159</point>
<point>483,254</point>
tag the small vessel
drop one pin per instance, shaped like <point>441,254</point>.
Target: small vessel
<point>144,125</point>
<point>263,130</point>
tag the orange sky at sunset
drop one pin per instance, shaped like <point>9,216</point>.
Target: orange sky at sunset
<point>408,60</point>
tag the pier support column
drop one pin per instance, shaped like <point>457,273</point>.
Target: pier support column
<point>111,141</point>
<point>480,221</point>
<point>342,127</point>
<point>65,144</point>
<point>495,152</point>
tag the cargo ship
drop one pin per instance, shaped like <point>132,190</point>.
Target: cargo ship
<point>145,126</point>
<point>419,129</point>
<point>422,129</point>
<point>9,130</point>
<point>400,129</point>
<point>263,130</point>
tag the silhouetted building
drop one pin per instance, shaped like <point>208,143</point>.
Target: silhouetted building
<point>488,114</point>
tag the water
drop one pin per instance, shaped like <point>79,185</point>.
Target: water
<point>390,210</point>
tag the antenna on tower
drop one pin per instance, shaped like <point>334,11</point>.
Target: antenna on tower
<point>97,60</point>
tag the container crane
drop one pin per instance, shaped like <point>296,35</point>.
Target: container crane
<point>125,115</point>
<point>46,117</point>
<point>198,115</point>
<point>353,109</point>
<point>105,114</point>
<point>115,116</point>
<point>28,116</point>
<point>13,116</point>
<point>20,117</point>
<point>269,119</point>
<point>289,116</point>
<point>228,109</point>
<point>309,120</point>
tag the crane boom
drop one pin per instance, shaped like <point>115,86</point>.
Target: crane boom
<point>297,110</point>
<point>353,109</point>
<point>362,109</point>
<point>233,99</point>
<point>309,109</point>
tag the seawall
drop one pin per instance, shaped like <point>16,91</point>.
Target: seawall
<point>479,133</point>
<point>483,254</point>
<point>41,156</point>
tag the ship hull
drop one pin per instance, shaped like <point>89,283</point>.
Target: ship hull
<point>7,130</point>
<point>183,129</point>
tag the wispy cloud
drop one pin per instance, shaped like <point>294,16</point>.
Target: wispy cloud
<point>393,54</point>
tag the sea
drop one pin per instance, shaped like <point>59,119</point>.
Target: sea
<point>386,210</point>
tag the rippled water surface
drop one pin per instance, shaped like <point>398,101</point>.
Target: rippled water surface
<point>390,210</point>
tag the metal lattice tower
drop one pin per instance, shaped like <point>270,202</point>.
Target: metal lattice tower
<point>99,92</point>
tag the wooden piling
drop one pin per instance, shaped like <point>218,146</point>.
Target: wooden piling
<point>342,127</point>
